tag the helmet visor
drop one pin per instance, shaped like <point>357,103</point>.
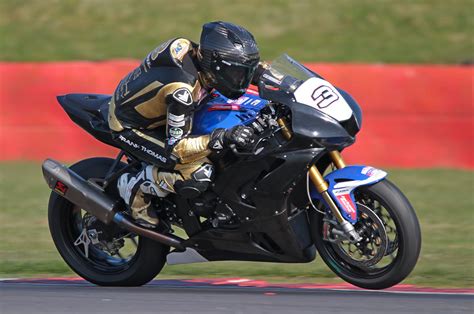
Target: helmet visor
<point>234,75</point>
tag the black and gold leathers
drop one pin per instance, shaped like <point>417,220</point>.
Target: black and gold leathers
<point>152,109</point>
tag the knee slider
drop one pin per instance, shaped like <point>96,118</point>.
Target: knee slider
<point>199,182</point>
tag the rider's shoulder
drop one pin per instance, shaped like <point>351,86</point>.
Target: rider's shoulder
<point>169,53</point>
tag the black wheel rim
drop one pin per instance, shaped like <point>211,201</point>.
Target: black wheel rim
<point>99,259</point>
<point>394,249</point>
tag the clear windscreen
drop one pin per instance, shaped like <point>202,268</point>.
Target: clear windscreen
<point>286,73</point>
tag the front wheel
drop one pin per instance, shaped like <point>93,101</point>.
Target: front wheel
<point>391,239</point>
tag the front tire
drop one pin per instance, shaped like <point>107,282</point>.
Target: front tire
<point>405,246</point>
<point>99,268</point>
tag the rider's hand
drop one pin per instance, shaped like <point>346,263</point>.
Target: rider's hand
<point>239,135</point>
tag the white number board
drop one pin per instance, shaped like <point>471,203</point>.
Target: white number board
<point>321,95</point>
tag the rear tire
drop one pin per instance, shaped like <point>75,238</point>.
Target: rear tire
<point>409,241</point>
<point>146,263</point>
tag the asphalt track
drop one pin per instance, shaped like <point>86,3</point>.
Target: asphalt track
<point>230,296</point>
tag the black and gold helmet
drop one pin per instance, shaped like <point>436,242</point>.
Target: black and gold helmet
<point>228,56</point>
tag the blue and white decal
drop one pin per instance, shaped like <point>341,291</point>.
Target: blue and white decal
<point>343,182</point>
<point>222,112</point>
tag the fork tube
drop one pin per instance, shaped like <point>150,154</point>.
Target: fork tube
<point>337,159</point>
<point>284,128</point>
<point>322,187</point>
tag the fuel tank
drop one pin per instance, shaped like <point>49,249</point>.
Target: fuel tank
<point>222,112</point>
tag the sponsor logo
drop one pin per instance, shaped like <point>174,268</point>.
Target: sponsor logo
<point>176,123</point>
<point>207,169</point>
<point>154,154</point>
<point>172,141</point>
<point>244,100</point>
<point>341,191</point>
<point>60,188</point>
<point>142,148</point>
<point>175,120</point>
<point>369,171</point>
<point>179,48</point>
<point>128,142</point>
<point>165,186</point>
<point>183,95</point>
<point>176,132</point>
<point>271,79</point>
<point>175,117</point>
<point>346,202</point>
<point>204,173</point>
<point>217,145</point>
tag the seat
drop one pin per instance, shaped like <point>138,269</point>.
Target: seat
<point>90,112</point>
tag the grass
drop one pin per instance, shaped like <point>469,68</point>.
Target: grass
<point>400,31</point>
<point>443,199</point>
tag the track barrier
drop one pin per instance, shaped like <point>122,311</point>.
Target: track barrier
<point>413,115</point>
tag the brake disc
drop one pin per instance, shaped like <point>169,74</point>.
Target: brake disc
<point>373,246</point>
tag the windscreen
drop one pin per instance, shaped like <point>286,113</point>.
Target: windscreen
<point>286,73</point>
<point>287,78</point>
<point>285,65</point>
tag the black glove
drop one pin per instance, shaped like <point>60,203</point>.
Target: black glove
<point>239,135</point>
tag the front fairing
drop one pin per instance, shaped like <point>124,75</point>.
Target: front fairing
<point>319,110</point>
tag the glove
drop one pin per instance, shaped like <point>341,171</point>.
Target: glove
<point>239,135</point>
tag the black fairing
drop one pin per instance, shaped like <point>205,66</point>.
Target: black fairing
<point>90,112</point>
<point>260,191</point>
<point>311,123</point>
<point>354,124</point>
<point>317,125</point>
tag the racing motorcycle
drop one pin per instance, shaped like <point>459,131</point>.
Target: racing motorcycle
<point>286,199</point>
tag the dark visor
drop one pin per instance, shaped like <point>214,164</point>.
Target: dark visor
<point>238,75</point>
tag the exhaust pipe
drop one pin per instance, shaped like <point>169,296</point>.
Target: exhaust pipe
<point>92,199</point>
<point>75,189</point>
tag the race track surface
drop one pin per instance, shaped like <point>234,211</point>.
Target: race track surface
<point>218,296</point>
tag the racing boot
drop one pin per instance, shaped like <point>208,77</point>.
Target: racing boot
<point>136,191</point>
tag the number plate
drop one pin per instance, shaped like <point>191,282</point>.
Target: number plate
<point>321,95</point>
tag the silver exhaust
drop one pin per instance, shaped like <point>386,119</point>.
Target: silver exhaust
<point>92,199</point>
<point>75,189</point>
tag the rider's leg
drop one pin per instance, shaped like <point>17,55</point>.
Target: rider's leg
<point>190,181</point>
<point>137,189</point>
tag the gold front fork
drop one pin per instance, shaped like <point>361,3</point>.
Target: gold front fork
<point>317,178</point>
<point>337,159</point>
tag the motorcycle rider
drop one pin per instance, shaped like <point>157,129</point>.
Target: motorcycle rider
<point>151,113</point>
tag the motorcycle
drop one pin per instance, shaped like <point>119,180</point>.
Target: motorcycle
<point>286,199</point>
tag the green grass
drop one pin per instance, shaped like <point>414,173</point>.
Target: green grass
<point>393,31</point>
<point>443,199</point>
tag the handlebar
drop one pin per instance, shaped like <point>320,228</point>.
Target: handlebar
<point>254,152</point>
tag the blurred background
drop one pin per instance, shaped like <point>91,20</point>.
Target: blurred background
<point>407,62</point>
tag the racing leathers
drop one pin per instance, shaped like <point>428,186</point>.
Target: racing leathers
<point>151,116</point>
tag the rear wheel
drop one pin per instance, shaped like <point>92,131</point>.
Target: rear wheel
<point>391,239</point>
<point>104,255</point>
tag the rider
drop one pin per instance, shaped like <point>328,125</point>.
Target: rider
<point>151,113</point>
